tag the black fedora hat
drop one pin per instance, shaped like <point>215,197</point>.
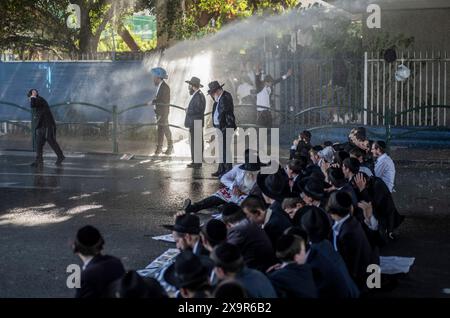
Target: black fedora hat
<point>186,223</point>
<point>275,186</point>
<point>132,285</point>
<point>314,188</point>
<point>316,223</point>
<point>215,231</point>
<point>214,86</point>
<point>188,269</point>
<point>194,81</point>
<point>249,164</point>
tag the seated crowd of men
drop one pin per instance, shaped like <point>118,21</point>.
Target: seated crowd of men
<point>310,230</point>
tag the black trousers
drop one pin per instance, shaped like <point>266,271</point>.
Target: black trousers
<point>48,135</point>
<point>226,145</point>
<point>192,138</point>
<point>207,203</point>
<point>164,130</point>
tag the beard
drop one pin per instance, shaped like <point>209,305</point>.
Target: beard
<point>191,91</point>
<point>248,182</point>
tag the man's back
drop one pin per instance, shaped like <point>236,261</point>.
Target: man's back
<point>355,249</point>
<point>101,271</point>
<point>330,272</point>
<point>294,281</point>
<point>256,283</point>
<point>254,244</point>
<point>43,116</point>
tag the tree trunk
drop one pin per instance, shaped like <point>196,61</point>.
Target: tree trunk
<point>128,38</point>
<point>85,37</point>
<point>161,24</point>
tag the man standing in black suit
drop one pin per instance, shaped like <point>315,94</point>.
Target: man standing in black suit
<point>45,129</point>
<point>195,111</point>
<point>162,107</point>
<point>99,271</point>
<point>223,118</point>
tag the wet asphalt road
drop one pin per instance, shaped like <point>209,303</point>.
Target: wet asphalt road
<point>130,200</point>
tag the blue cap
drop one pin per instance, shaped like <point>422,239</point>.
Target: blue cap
<point>159,72</point>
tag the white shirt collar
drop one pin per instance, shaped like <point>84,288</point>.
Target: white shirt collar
<point>338,224</point>
<point>159,86</point>
<point>87,261</point>
<point>267,218</point>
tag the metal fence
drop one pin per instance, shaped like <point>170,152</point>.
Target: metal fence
<point>416,99</point>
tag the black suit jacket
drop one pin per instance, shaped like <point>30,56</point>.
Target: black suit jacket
<point>225,107</point>
<point>330,272</point>
<point>355,249</point>
<point>254,244</point>
<point>43,117</point>
<point>384,208</point>
<point>278,222</point>
<point>195,110</point>
<point>294,281</point>
<point>98,276</point>
<point>162,102</point>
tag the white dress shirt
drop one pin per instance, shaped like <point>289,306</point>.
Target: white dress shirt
<point>244,90</point>
<point>385,170</point>
<point>263,98</point>
<point>216,113</point>
<point>159,86</point>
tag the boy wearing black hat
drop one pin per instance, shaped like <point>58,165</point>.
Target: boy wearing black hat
<point>186,232</point>
<point>190,275</point>
<point>132,285</point>
<point>337,179</point>
<point>252,241</point>
<point>213,233</point>
<point>294,279</point>
<point>273,220</point>
<point>99,271</point>
<point>229,264</point>
<point>349,238</point>
<point>195,112</point>
<point>330,272</point>
<point>313,192</point>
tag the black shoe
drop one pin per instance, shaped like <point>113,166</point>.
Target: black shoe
<point>186,205</point>
<point>60,160</point>
<point>158,151</point>
<point>169,151</point>
<point>194,165</point>
<point>217,174</point>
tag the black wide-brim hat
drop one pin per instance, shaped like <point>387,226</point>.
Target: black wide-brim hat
<point>275,186</point>
<point>192,270</point>
<point>194,81</point>
<point>186,223</point>
<point>214,86</point>
<point>251,166</point>
<point>313,188</point>
<point>316,223</point>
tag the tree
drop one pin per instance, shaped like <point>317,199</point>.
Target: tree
<point>27,25</point>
